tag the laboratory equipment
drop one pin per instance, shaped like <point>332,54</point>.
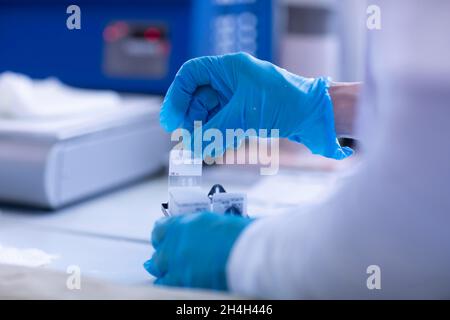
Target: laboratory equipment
<point>185,189</point>
<point>56,162</point>
<point>193,199</point>
<point>227,203</point>
<point>187,200</point>
<point>184,185</point>
<point>132,45</point>
<point>184,169</point>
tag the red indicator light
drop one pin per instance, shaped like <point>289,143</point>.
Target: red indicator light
<point>152,34</point>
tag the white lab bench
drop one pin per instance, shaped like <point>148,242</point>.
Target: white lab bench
<point>108,236</point>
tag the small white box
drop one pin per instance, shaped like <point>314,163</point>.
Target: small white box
<point>188,200</point>
<point>226,202</point>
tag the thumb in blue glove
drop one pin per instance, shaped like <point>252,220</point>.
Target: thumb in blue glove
<point>192,250</point>
<point>238,91</point>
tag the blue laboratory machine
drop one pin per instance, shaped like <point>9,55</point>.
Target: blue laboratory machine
<point>128,45</point>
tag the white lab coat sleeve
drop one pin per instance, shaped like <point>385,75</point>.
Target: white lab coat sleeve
<point>393,214</point>
<point>380,218</point>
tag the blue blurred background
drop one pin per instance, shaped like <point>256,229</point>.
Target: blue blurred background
<point>137,45</point>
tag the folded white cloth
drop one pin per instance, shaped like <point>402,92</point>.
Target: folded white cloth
<point>23,97</point>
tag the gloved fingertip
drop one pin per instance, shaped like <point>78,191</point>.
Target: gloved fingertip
<point>159,282</point>
<point>342,153</point>
<point>165,126</point>
<point>167,122</point>
<point>151,268</point>
<point>348,151</point>
<point>167,280</point>
<point>147,265</point>
<point>164,123</point>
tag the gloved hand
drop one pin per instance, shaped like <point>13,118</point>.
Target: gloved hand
<point>192,250</point>
<point>239,91</point>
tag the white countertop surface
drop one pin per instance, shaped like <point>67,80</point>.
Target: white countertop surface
<point>108,236</point>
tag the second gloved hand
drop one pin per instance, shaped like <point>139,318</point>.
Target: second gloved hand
<point>192,250</point>
<point>238,91</point>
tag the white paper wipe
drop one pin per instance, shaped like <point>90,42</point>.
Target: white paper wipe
<point>23,97</point>
<point>25,257</point>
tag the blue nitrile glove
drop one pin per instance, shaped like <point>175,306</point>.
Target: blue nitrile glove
<point>239,91</point>
<point>192,250</point>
